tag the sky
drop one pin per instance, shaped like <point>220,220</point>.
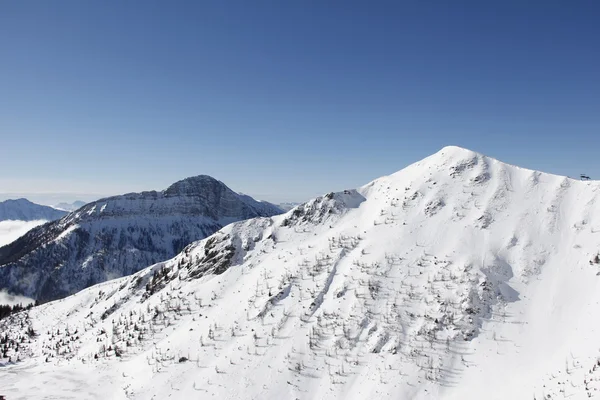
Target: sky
<point>286,100</point>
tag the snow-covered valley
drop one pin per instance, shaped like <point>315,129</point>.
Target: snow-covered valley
<point>458,277</point>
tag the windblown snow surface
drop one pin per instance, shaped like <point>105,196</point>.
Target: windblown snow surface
<point>458,277</point>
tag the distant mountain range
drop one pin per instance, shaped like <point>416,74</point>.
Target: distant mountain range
<point>119,235</point>
<point>25,210</point>
<point>288,206</point>
<point>70,206</point>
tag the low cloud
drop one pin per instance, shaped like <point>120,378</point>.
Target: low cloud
<point>12,230</point>
<point>11,300</point>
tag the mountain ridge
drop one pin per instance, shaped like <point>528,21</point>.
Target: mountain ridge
<point>429,283</point>
<point>24,210</point>
<point>116,236</point>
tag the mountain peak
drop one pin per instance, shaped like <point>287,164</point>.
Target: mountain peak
<point>24,210</point>
<point>430,273</point>
<point>450,154</point>
<point>119,235</point>
<point>456,150</point>
<point>193,185</point>
<point>20,200</point>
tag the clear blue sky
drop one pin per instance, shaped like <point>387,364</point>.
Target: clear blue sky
<point>286,100</point>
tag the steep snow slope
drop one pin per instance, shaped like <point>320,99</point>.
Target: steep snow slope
<point>25,210</point>
<point>117,236</point>
<point>459,277</point>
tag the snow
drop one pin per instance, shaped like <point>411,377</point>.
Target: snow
<point>458,277</point>
<point>120,235</point>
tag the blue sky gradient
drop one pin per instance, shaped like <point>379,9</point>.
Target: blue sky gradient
<point>286,100</point>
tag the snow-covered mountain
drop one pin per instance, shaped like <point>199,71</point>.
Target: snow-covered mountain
<point>458,277</point>
<point>70,206</point>
<point>25,210</point>
<point>118,236</point>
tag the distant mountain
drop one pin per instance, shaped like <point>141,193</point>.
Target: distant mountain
<point>70,206</point>
<point>25,210</point>
<point>119,235</point>
<point>287,206</point>
<point>457,278</point>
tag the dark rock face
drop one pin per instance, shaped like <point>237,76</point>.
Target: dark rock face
<point>120,235</point>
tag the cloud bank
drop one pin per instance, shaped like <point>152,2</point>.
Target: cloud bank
<point>12,230</point>
<point>10,299</point>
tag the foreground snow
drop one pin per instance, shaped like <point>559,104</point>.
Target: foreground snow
<point>459,277</point>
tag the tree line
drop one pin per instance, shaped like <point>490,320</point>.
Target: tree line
<point>6,310</point>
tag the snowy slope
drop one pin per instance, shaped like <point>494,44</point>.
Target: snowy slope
<point>459,277</point>
<point>119,235</point>
<point>25,210</point>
